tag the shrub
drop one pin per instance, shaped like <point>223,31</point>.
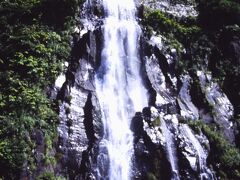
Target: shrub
<point>34,42</point>
<point>163,24</point>
<point>223,156</point>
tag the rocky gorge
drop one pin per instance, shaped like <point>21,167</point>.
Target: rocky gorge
<point>172,135</point>
<point>189,128</point>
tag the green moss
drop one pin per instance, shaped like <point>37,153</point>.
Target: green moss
<point>46,176</point>
<point>157,122</point>
<point>60,178</point>
<point>49,176</point>
<point>49,160</point>
<point>196,126</point>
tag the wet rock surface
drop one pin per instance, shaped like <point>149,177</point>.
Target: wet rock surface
<point>165,147</point>
<point>176,8</point>
<point>80,126</point>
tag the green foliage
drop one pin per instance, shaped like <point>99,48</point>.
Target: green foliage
<point>224,156</point>
<point>34,42</point>
<point>13,150</point>
<point>196,126</point>
<point>20,4</point>
<point>229,156</point>
<point>38,53</point>
<point>49,160</point>
<point>46,176</point>
<point>163,24</point>
<point>49,176</point>
<point>178,33</point>
<point>211,42</point>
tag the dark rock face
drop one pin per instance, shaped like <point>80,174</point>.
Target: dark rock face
<point>178,98</point>
<point>149,157</point>
<point>231,85</point>
<point>226,58</point>
<point>80,126</point>
<point>137,126</point>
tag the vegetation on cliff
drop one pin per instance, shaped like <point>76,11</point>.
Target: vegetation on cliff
<point>223,155</point>
<point>212,42</point>
<point>34,42</point>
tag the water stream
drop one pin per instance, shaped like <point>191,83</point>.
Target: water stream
<point>171,151</point>
<point>205,173</point>
<point>119,85</point>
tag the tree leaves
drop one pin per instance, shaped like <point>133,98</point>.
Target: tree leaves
<point>34,43</point>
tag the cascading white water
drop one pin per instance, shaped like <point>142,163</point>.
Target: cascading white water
<point>119,85</point>
<point>205,173</point>
<point>171,151</point>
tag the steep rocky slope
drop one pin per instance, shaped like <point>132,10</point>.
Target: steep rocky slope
<point>190,65</point>
<point>190,128</point>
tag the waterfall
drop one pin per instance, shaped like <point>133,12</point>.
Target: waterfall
<point>171,150</point>
<point>119,85</point>
<point>205,173</point>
